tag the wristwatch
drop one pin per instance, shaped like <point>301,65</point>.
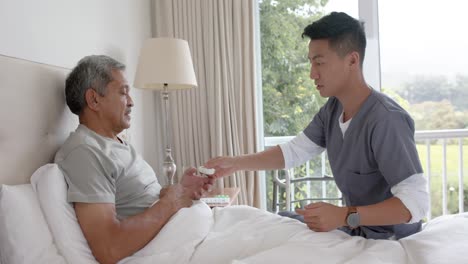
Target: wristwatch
<point>352,219</point>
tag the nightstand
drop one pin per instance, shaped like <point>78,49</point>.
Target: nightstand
<point>232,193</point>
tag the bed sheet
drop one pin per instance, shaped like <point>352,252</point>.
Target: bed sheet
<point>244,235</point>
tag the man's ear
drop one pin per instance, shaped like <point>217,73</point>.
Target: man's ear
<point>91,97</point>
<point>354,59</point>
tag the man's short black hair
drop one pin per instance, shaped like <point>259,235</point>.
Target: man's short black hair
<point>344,33</point>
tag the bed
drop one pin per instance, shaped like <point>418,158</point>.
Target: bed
<point>37,225</point>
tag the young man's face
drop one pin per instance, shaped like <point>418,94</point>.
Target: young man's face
<point>116,104</point>
<point>329,71</point>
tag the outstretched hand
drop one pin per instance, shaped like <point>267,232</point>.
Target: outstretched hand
<point>196,184</point>
<point>224,166</point>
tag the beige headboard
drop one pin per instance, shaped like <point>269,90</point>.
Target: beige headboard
<point>34,117</point>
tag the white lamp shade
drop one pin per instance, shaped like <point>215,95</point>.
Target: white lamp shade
<point>165,60</point>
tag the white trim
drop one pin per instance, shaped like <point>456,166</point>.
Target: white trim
<point>369,13</point>
<point>428,175</point>
<point>259,108</point>
<point>444,177</point>
<point>419,135</point>
<point>461,194</point>
<point>440,134</point>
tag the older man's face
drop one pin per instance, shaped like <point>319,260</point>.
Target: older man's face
<point>117,104</point>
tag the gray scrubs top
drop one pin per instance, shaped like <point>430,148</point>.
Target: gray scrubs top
<point>376,153</point>
<point>101,170</point>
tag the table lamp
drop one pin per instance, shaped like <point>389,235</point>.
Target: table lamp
<point>165,64</point>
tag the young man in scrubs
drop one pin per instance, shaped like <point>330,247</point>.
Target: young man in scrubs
<point>369,140</point>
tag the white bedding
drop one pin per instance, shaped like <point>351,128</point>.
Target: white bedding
<point>242,235</point>
<point>235,234</point>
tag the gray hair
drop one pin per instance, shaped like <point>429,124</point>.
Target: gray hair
<point>91,72</point>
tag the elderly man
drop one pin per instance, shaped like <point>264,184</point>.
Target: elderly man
<point>118,201</point>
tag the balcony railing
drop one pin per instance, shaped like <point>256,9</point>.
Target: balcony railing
<point>429,139</point>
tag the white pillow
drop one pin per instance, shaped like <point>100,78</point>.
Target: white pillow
<point>443,240</point>
<point>25,237</point>
<point>51,189</point>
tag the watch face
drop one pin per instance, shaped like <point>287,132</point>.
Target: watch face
<point>353,220</point>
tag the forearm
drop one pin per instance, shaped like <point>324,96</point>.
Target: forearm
<point>270,159</point>
<point>389,212</point>
<point>131,234</point>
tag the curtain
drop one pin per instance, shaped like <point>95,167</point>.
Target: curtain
<point>217,118</point>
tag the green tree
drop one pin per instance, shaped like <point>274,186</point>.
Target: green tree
<point>459,93</point>
<point>397,98</point>
<point>434,115</point>
<point>290,99</point>
<point>434,102</point>
<point>424,88</point>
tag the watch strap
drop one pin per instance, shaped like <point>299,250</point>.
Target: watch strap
<point>351,209</point>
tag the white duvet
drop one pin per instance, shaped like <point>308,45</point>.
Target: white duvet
<point>241,235</point>
<point>236,234</point>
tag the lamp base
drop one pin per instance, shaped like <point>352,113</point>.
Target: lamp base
<point>169,167</point>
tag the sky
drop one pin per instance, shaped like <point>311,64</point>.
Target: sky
<point>419,37</point>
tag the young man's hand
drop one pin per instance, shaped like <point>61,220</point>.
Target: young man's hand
<point>196,184</point>
<point>224,166</point>
<point>323,217</point>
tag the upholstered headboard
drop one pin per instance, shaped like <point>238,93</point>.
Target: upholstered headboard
<point>34,117</point>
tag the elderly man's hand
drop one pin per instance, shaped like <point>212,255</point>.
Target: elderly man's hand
<point>196,184</point>
<point>176,196</point>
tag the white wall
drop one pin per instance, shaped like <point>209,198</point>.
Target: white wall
<point>60,32</point>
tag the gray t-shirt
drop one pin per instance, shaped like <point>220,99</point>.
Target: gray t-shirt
<point>100,170</point>
<point>376,153</point>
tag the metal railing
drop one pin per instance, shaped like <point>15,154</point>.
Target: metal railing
<point>444,135</point>
<point>428,137</point>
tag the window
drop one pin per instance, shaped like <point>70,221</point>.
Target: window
<point>290,99</point>
<point>416,53</point>
<point>424,66</point>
